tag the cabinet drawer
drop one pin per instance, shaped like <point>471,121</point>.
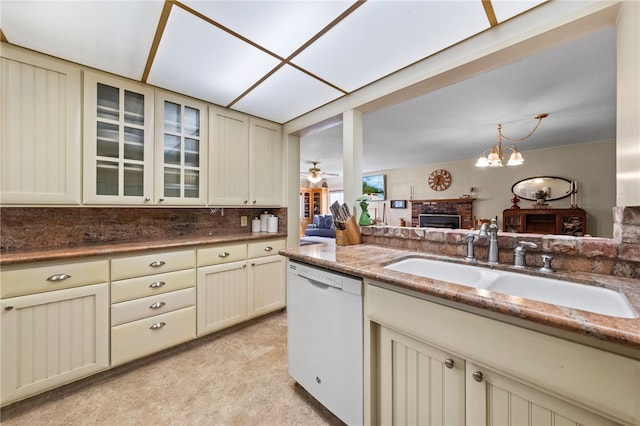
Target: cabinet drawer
<point>137,266</point>
<point>146,336</point>
<point>222,254</point>
<point>265,248</point>
<point>29,280</point>
<point>135,288</point>
<point>133,310</point>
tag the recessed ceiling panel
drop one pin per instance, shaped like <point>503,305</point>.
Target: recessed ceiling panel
<point>279,26</point>
<point>285,95</point>
<point>198,59</point>
<point>383,36</point>
<point>505,9</point>
<point>112,36</point>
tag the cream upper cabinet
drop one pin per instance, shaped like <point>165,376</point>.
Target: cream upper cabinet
<point>265,163</point>
<point>228,158</point>
<point>118,141</point>
<point>40,141</point>
<point>181,150</point>
<point>245,160</point>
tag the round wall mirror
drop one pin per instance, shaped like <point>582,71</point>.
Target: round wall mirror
<point>556,187</point>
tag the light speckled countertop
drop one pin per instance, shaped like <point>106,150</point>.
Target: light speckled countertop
<point>368,261</point>
<point>10,257</point>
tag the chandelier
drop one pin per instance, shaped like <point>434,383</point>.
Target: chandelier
<point>496,154</point>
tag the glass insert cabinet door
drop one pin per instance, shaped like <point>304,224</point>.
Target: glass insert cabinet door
<point>180,150</point>
<point>118,141</point>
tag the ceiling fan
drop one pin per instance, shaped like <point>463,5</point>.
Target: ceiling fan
<point>315,174</point>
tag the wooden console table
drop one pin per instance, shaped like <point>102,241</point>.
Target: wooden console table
<point>545,221</point>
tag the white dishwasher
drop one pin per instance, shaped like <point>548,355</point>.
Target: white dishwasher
<point>324,315</point>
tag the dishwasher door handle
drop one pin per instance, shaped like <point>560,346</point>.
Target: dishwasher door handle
<point>318,284</point>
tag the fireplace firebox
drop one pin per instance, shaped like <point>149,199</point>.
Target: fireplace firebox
<point>449,221</point>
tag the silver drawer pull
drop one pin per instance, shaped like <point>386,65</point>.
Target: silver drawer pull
<point>225,254</point>
<point>157,284</point>
<point>157,305</point>
<point>157,264</point>
<point>8,308</point>
<point>157,326</point>
<point>448,363</point>
<point>268,248</point>
<point>58,277</point>
<point>477,376</point>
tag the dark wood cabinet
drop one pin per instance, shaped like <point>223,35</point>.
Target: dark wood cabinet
<point>545,221</point>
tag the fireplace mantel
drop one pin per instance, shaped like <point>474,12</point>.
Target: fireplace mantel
<point>458,206</point>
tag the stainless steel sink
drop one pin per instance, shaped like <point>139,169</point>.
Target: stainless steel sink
<point>549,290</point>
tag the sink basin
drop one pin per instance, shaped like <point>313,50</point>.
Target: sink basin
<point>549,290</point>
<point>471,276</point>
<point>564,293</point>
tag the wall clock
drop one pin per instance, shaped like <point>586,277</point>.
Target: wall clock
<point>439,180</point>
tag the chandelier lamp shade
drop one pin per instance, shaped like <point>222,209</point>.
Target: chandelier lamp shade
<point>494,157</point>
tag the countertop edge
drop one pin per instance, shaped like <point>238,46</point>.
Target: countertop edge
<point>17,257</point>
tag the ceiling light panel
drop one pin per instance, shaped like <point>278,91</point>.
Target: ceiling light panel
<point>279,26</point>
<point>112,36</point>
<point>285,95</point>
<point>383,36</point>
<point>196,58</point>
<point>505,9</point>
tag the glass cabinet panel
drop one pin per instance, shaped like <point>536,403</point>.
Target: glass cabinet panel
<point>119,142</point>
<point>181,145</point>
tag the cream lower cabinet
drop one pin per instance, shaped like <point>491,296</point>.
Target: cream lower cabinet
<point>437,365</point>
<point>237,282</point>
<point>153,300</point>
<point>50,338</point>
<point>419,384</point>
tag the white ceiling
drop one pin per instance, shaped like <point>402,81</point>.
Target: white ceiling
<point>575,83</point>
<point>281,59</point>
<point>273,59</point>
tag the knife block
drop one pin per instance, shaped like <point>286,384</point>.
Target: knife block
<point>350,234</point>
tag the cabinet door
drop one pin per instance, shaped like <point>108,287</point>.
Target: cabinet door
<point>181,150</point>
<point>228,158</point>
<point>49,339</point>
<point>266,285</point>
<point>39,129</point>
<point>118,141</point>
<point>493,399</point>
<point>221,296</point>
<point>266,163</point>
<point>419,384</point>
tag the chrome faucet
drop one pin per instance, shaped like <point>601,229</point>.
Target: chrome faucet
<point>519,252</point>
<point>493,242</point>
<point>471,238</point>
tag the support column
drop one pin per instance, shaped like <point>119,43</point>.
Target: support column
<point>352,136</point>
<point>628,105</point>
<point>292,188</point>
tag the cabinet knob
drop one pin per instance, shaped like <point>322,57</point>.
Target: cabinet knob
<point>157,305</point>
<point>255,201</point>
<point>477,376</point>
<point>161,199</point>
<point>448,363</point>
<point>8,308</point>
<point>246,201</point>
<point>58,277</point>
<point>224,254</point>
<point>157,326</point>
<point>147,199</point>
<point>268,248</point>
<point>157,284</point>
<point>157,264</point>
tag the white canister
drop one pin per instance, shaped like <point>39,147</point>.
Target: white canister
<point>263,221</point>
<point>272,224</point>
<point>255,225</point>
